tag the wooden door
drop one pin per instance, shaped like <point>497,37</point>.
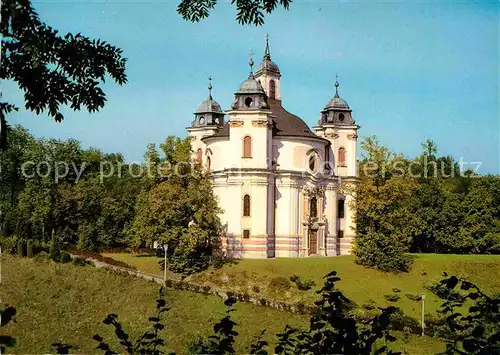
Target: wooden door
<point>313,241</point>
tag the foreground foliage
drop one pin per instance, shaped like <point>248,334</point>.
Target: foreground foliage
<point>333,328</point>
<point>51,69</point>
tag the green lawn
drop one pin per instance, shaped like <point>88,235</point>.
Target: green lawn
<point>66,303</point>
<point>358,283</point>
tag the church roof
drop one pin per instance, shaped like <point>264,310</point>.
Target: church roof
<point>250,86</point>
<point>285,124</point>
<point>209,106</point>
<point>337,102</point>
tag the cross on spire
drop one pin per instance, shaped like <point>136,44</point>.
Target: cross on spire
<point>337,86</point>
<point>267,53</point>
<point>250,62</point>
<point>210,87</point>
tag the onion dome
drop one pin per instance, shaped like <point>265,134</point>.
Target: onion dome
<point>250,94</point>
<point>209,113</point>
<point>337,102</point>
<point>336,111</point>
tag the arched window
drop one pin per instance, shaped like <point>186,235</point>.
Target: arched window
<point>313,207</point>
<point>272,89</point>
<point>208,153</point>
<point>341,117</point>
<point>247,147</point>
<point>312,163</point>
<point>246,206</point>
<point>248,102</point>
<point>340,208</point>
<point>199,156</point>
<point>341,159</point>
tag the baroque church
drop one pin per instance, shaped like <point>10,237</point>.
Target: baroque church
<point>278,182</point>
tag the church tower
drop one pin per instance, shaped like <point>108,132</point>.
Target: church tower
<point>337,125</point>
<point>208,118</point>
<point>269,75</point>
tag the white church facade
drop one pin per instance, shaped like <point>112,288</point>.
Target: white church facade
<point>277,181</point>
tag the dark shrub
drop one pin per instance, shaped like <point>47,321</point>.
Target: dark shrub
<point>369,305</point>
<point>413,297</point>
<point>294,278</point>
<point>81,261</point>
<point>279,284</point>
<point>305,285</point>
<point>392,298</point>
<point>256,288</point>
<point>8,244</point>
<point>64,257</point>
<point>398,321</point>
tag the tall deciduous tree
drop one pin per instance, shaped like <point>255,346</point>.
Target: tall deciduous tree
<point>179,209</point>
<point>52,70</point>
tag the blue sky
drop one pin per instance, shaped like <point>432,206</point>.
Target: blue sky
<point>409,71</point>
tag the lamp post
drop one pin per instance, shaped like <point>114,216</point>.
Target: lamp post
<point>423,310</point>
<point>165,249</point>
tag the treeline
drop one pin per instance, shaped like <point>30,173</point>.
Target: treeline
<point>54,191</point>
<point>423,205</point>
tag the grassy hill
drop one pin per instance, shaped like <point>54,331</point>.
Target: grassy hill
<point>360,284</point>
<point>66,303</point>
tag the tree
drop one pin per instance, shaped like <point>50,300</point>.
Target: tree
<point>52,70</point>
<point>248,11</point>
<point>178,207</point>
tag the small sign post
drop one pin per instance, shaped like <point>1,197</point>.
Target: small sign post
<point>423,310</point>
<point>165,249</point>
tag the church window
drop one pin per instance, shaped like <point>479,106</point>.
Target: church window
<point>340,208</point>
<point>247,147</point>
<point>199,156</point>
<point>313,207</point>
<point>272,89</point>
<point>248,102</point>
<point>341,156</point>
<point>202,120</point>
<point>341,117</point>
<point>209,162</point>
<point>246,206</point>
<point>246,233</point>
<point>312,163</point>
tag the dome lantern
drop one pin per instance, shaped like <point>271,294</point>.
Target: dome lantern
<point>209,112</point>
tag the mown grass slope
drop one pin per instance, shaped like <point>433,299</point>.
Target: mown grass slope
<point>360,284</point>
<point>66,303</point>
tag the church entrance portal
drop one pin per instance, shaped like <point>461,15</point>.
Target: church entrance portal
<point>313,241</point>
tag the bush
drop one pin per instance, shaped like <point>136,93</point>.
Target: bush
<point>8,244</point>
<point>303,286</point>
<point>386,253</point>
<point>399,321</point>
<point>81,261</point>
<point>392,298</point>
<point>64,257</point>
<point>369,305</point>
<point>256,288</point>
<point>279,284</point>
<point>412,297</point>
<point>306,285</point>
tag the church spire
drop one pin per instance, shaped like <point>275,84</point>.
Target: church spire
<point>250,62</point>
<point>267,53</point>
<point>210,87</point>
<point>337,86</point>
